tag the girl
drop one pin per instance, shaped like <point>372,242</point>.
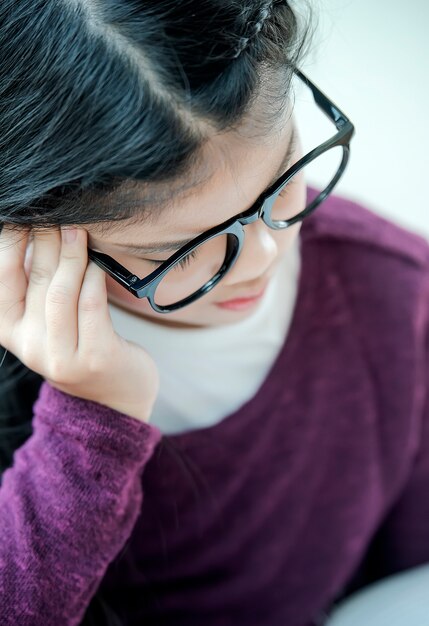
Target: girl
<point>214,398</point>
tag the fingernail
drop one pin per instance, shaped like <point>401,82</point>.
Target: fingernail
<point>69,234</point>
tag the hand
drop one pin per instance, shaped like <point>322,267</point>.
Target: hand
<point>54,318</point>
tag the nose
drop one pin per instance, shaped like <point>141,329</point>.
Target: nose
<point>258,253</point>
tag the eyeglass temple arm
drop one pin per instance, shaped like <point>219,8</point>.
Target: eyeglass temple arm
<point>113,268</point>
<point>330,109</point>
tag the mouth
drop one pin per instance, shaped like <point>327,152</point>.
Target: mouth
<point>239,304</point>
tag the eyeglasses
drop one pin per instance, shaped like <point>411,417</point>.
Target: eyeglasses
<point>197,267</point>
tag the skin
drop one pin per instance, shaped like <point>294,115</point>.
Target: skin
<point>241,169</point>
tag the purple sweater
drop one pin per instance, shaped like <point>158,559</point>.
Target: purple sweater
<point>317,485</point>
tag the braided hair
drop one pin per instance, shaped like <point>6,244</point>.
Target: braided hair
<point>265,11</point>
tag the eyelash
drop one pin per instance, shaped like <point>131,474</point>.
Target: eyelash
<point>284,192</point>
<point>183,263</point>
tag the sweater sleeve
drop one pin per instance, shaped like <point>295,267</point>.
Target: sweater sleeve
<point>67,506</point>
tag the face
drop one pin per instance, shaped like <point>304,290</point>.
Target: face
<point>242,170</point>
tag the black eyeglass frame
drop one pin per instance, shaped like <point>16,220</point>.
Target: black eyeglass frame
<point>146,287</point>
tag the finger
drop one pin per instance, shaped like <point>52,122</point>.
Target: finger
<point>94,316</point>
<point>13,281</point>
<point>45,258</point>
<point>63,296</point>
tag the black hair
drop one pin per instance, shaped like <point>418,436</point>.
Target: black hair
<point>105,108</point>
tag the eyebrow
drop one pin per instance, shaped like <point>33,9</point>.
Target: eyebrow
<point>175,245</point>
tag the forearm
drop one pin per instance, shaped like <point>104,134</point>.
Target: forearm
<point>67,507</point>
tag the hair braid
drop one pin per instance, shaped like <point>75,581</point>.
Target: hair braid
<point>264,13</point>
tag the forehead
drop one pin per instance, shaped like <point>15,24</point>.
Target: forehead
<point>235,168</point>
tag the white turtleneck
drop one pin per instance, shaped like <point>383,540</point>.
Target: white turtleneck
<point>208,373</point>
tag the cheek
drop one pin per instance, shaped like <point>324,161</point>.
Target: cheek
<point>190,316</point>
<point>285,240</point>
<point>126,298</point>
<point>120,296</point>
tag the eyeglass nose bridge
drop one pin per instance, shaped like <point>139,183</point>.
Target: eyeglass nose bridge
<point>255,215</point>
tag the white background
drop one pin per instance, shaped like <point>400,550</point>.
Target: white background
<point>371,57</point>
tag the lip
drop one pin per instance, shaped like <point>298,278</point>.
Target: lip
<point>244,302</point>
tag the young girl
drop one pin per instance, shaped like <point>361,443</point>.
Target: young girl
<point>214,389</point>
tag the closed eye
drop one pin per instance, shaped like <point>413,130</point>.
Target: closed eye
<point>183,263</point>
<point>286,189</point>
